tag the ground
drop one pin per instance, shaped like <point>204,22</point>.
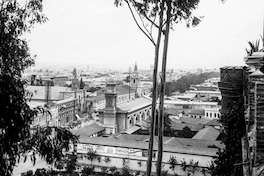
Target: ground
<point>28,165</point>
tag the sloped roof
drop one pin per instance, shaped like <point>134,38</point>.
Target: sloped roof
<point>197,112</point>
<point>204,121</point>
<point>208,133</point>
<point>213,122</point>
<point>190,146</point>
<point>88,130</point>
<point>135,104</point>
<point>133,137</point>
<point>173,141</point>
<point>131,130</point>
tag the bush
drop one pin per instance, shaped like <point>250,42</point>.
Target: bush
<point>87,171</point>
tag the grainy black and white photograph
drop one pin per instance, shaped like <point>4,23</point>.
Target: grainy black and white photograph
<point>131,88</point>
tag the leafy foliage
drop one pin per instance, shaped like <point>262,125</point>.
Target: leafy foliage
<point>16,116</point>
<point>49,142</point>
<point>254,47</point>
<point>16,18</point>
<point>173,162</point>
<point>87,171</point>
<point>185,133</point>
<point>186,81</point>
<point>168,131</point>
<point>71,163</point>
<point>233,129</point>
<point>91,155</point>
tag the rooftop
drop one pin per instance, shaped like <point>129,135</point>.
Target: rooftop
<point>188,146</point>
<point>208,133</point>
<point>88,130</point>
<point>135,104</point>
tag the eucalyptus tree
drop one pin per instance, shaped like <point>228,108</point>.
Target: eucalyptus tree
<point>16,18</point>
<point>161,15</point>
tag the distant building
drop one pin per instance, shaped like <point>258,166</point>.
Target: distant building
<point>189,104</point>
<point>212,113</point>
<point>67,110</point>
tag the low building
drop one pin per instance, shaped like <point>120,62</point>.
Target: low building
<point>132,151</point>
<point>92,130</point>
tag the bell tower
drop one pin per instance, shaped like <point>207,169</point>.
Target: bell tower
<point>135,80</point>
<point>109,116</point>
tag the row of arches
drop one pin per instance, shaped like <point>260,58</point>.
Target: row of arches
<point>138,116</point>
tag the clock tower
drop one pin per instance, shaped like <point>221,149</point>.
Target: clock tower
<point>135,80</point>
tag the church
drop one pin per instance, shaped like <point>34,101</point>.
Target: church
<point>123,116</point>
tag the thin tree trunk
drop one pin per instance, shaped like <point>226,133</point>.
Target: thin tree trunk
<point>154,93</point>
<point>162,90</point>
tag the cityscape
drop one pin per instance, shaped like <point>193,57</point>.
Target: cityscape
<point>84,94</point>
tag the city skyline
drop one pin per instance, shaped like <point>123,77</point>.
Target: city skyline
<point>97,33</point>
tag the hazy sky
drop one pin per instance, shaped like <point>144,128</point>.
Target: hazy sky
<point>96,33</point>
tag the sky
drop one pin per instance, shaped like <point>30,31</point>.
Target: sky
<point>98,34</point>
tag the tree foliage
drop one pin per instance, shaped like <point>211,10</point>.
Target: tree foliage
<point>184,83</point>
<point>233,130</point>
<point>16,18</point>
<point>168,131</point>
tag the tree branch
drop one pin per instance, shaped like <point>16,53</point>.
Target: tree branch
<point>152,41</point>
<point>143,24</point>
<point>152,22</point>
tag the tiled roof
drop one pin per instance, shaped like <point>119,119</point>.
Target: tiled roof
<point>88,130</point>
<point>208,133</point>
<point>213,122</point>
<point>190,146</point>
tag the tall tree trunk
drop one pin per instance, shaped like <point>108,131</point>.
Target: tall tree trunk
<point>154,93</point>
<point>162,90</point>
